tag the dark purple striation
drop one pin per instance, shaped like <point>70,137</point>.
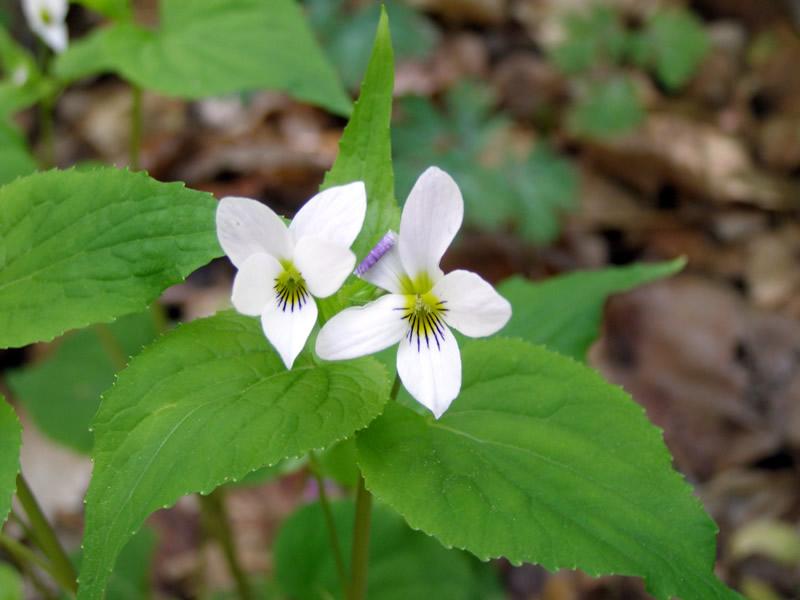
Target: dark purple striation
<point>387,243</point>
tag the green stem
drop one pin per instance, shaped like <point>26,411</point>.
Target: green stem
<point>46,137</point>
<point>136,126</point>
<point>361,527</point>
<point>47,153</point>
<point>159,315</point>
<point>25,559</point>
<point>23,554</point>
<point>62,570</point>
<point>329,523</point>
<point>358,576</point>
<point>217,524</point>
<point>116,353</point>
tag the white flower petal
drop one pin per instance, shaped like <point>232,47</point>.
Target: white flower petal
<point>246,227</point>
<point>323,265</point>
<point>53,31</point>
<point>335,215</point>
<point>55,36</point>
<point>387,273</point>
<point>254,284</point>
<point>288,329</point>
<point>473,306</point>
<point>431,218</point>
<point>431,373</point>
<point>363,330</point>
<point>57,9</point>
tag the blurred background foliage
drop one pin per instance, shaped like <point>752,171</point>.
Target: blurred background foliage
<point>584,134</point>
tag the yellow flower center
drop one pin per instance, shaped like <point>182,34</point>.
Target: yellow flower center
<point>425,316</point>
<point>45,16</point>
<point>290,288</point>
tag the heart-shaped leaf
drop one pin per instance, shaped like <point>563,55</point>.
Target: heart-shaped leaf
<point>206,404</point>
<point>540,460</point>
<point>83,247</point>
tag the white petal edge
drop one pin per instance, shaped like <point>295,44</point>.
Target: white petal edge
<point>323,265</point>
<point>473,306</point>
<point>387,273</point>
<point>254,284</point>
<point>363,330</point>
<point>54,34</point>
<point>432,375</point>
<point>246,227</point>
<point>431,218</point>
<point>287,330</point>
<point>335,215</point>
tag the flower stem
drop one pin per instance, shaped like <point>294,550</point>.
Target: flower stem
<point>217,523</point>
<point>361,527</point>
<point>329,523</point>
<point>358,577</point>
<point>47,158</point>
<point>136,126</point>
<point>61,567</point>
<point>23,554</point>
<point>25,560</point>
<point>113,349</point>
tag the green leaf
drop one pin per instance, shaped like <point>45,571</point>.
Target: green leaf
<point>606,109</point>
<point>61,404</point>
<point>564,313</point>
<point>86,247</point>
<point>365,150</point>
<point>527,193</point>
<point>10,583</point>
<point>15,160</point>
<point>365,154</point>
<point>206,404</point>
<point>591,37</point>
<point>543,188</point>
<point>339,462</point>
<point>115,9</point>
<point>23,84</point>
<point>131,577</point>
<point>540,460</point>
<point>213,47</point>
<point>403,563</point>
<point>678,44</point>
<point>10,442</point>
<point>454,138</point>
<point>347,35</point>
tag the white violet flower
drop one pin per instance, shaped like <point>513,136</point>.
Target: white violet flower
<point>47,20</point>
<point>422,303</point>
<point>281,268</point>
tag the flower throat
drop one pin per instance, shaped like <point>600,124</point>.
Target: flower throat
<point>424,313</point>
<point>290,288</point>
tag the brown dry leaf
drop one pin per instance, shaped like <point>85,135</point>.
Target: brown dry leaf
<point>479,12</point>
<point>715,82</point>
<point>773,266</point>
<point>672,345</point>
<point>529,87</point>
<point>544,19</point>
<point>695,157</point>
<point>100,117</point>
<point>739,496</point>
<point>779,142</point>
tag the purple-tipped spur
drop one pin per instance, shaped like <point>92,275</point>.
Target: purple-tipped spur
<point>386,243</point>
